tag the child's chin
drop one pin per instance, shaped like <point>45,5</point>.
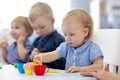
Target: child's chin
<point>72,45</point>
<point>15,38</point>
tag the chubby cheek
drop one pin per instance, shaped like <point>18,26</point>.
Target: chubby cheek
<point>38,32</point>
<point>11,33</point>
<point>14,35</point>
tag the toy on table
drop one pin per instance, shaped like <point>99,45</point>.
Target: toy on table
<point>15,65</point>
<point>28,67</point>
<point>20,67</point>
<point>33,63</point>
<point>40,70</point>
<point>53,71</point>
<point>0,67</point>
<point>39,62</point>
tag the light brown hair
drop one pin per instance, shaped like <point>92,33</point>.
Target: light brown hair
<point>24,21</point>
<point>83,17</point>
<point>40,9</point>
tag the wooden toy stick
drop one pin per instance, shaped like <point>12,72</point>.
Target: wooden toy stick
<point>39,62</point>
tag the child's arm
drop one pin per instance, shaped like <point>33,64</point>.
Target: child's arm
<point>47,57</point>
<point>22,52</point>
<point>4,45</point>
<point>35,51</point>
<point>98,64</point>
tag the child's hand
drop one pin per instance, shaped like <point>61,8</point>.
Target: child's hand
<point>4,42</point>
<point>37,59</point>
<point>73,69</point>
<point>22,38</point>
<point>34,52</point>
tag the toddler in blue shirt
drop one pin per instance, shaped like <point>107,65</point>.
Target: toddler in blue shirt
<point>80,52</point>
<point>17,51</point>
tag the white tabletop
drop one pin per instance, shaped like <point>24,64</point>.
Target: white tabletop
<point>9,72</point>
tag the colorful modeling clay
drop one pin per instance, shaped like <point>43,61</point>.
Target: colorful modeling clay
<point>28,67</point>
<point>53,71</point>
<point>0,67</point>
<point>15,65</point>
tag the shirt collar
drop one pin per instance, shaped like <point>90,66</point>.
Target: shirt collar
<point>81,48</point>
<point>47,37</point>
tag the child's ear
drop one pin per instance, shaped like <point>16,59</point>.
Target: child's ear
<point>52,20</point>
<point>86,31</point>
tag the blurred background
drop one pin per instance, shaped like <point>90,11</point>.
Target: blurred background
<point>105,13</point>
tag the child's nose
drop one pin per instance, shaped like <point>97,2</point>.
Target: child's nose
<point>68,38</point>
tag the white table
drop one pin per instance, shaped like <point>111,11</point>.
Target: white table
<point>9,72</point>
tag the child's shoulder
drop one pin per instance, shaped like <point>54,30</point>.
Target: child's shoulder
<point>93,45</point>
<point>56,33</point>
<point>56,36</point>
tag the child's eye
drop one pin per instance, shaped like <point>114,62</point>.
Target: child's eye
<point>17,28</point>
<point>11,27</point>
<point>35,28</point>
<point>71,34</point>
<point>65,34</point>
<point>41,27</point>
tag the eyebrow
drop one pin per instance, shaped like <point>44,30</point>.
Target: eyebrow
<point>41,25</point>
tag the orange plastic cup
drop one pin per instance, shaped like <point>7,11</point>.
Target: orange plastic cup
<point>33,63</point>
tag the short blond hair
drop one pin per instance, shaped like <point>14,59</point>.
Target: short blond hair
<point>24,21</point>
<point>40,9</point>
<point>83,17</point>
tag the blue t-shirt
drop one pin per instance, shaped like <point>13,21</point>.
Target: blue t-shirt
<point>12,52</point>
<point>48,44</point>
<point>82,56</point>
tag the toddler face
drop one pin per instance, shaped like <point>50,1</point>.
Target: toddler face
<point>17,29</point>
<point>42,26</point>
<point>74,33</point>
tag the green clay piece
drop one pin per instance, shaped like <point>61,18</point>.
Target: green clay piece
<point>15,65</point>
<point>0,67</point>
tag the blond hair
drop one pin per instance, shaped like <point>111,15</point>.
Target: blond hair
<point>40,9</point>
<point>83,17</point>
<point>24,21</point>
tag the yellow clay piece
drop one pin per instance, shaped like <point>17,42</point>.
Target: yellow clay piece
<point>53,71</point>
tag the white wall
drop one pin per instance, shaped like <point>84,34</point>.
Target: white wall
<point>9,9</point>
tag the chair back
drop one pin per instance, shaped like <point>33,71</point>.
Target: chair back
<point>109,42</point>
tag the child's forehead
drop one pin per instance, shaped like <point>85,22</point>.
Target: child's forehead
<point>72,22</point>
<point>18,24</point>
<point>42,18</point>
<point>72,19</point>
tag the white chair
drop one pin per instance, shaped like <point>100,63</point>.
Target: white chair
<point>109,41</point>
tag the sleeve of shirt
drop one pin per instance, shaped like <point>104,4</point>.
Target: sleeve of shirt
<point>62,49</point>
<point>95,52</point>
<point>28,47</point>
